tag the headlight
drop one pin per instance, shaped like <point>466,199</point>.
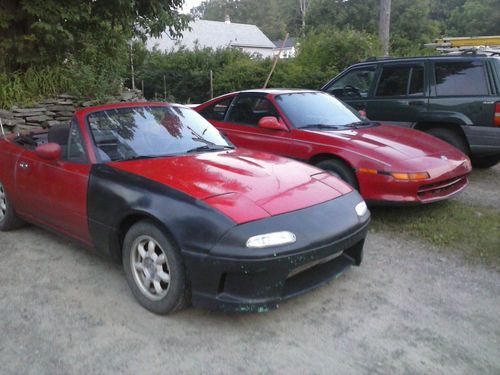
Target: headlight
<point>361,208</point>
<point>271,239</point>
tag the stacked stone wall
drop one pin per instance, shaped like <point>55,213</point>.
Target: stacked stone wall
<point>49,112</point>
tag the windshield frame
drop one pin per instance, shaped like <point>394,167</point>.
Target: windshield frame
<point>131,106</point>
<point>334,127</point>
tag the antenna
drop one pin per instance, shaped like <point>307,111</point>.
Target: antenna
<point>1,126</point>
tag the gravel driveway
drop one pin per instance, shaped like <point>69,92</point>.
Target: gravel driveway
<point>66,311</point>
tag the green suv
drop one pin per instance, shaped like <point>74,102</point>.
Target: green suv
<point>455,98</point>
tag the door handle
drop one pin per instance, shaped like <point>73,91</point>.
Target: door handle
<point>23,165</point>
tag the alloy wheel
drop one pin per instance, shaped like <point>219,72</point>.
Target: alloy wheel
<point>150,268</point>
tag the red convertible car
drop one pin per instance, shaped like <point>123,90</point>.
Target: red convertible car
<point>387,164</point>
<point>156,187</point>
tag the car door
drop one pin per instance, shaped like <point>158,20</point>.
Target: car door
<point>462,86</point>
<point>54,193</point>
<point>354,86</point>
<point>241,125</point>
<point>400,95</point>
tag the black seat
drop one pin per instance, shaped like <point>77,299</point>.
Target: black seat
<point>59,134</point>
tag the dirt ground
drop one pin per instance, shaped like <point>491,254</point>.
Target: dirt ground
<point>406,310</point>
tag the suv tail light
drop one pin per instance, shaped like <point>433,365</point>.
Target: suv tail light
<point>496,116</point>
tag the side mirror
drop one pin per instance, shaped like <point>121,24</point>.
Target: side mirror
<point>271,122</point>
<point>49,151</point>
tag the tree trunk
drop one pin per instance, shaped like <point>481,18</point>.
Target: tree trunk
<point>384,25</point>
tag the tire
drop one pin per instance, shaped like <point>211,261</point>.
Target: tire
<point>166,276</point>
<point>8,217</point>
<point>339,169</point>
<point>450,137</point>
<point>484,162</point>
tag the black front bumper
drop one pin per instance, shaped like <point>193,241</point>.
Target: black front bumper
<point>330,237</point>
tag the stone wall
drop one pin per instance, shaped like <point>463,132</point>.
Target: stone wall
<point>50,112</point>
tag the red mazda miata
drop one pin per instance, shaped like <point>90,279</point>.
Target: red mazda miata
<point>156,187</point>
<point>387,164</point>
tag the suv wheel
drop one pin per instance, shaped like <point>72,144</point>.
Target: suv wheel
<point>450,137</point>
<point>484,162</point>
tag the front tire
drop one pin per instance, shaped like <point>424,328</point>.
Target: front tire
<point>8,217</point>
<point>339,169</point>
<point>154,269</point>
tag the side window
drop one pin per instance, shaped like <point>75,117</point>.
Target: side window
<point>416,81</point>
<point>216,111</point>
<point>248,110</point>
<point>76,149</point>
<point>460,78</point>
<point>401,81</point>
<point>355,84</point>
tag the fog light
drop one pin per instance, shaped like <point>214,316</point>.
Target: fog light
<point>361,208</point>
<point>271,239</point>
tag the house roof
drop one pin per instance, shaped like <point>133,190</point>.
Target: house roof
<point>290,43</point>
<point>214,34</point>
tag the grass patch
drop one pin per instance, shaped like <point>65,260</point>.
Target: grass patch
<point>473,231</point>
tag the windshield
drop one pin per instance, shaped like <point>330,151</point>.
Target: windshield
<point>307,109</point>
<point>142,132</point>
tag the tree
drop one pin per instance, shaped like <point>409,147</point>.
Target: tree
<point>304,7</point>
<point>51,31</point>
<point>384,25</point>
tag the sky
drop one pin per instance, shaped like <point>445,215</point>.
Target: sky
<point>188,4</point>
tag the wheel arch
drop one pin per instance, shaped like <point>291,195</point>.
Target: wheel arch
<point>125,223</point>
<point>326,156</point>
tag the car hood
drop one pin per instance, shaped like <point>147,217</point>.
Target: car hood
<point>388,142</point>
<point>244,185</point>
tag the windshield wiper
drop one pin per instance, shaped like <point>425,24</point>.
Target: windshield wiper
<point>319,126</point>
<point>139,157</point>
<point>357,124</point>
<point>210,147</point>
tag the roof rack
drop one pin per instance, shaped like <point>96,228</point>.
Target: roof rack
<point>375,58</point>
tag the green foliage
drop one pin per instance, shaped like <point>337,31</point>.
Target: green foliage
<point>335,49</point>
<point>184,76</point>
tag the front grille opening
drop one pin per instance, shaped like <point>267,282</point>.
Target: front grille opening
<point>442,188</point>
<point>322,273</point>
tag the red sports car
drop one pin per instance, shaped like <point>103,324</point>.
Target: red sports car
<point>387,164</point>
<point>156,187</point>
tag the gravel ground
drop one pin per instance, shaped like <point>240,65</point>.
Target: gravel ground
<point>404,311</point>
<point>483,189</point>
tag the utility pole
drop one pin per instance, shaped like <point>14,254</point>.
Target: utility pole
<point>384,25</point>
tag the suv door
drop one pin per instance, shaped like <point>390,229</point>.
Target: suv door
<point>400,94</point>
<point>354,86</point>
<point>462,86</point>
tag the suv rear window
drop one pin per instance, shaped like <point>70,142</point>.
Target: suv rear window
<point>460,78</point>
<point>401,81</point>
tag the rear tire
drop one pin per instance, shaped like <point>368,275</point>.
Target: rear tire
<point>8,217</point>
<point>450,137</point>
<point>339,169</point>
<point>154,269</point>
<point>484,162</point>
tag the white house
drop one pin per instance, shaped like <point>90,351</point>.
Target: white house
<point>289,49</point>
<point>214,34</point>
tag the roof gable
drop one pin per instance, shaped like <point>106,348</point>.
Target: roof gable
<point>214,34</point>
